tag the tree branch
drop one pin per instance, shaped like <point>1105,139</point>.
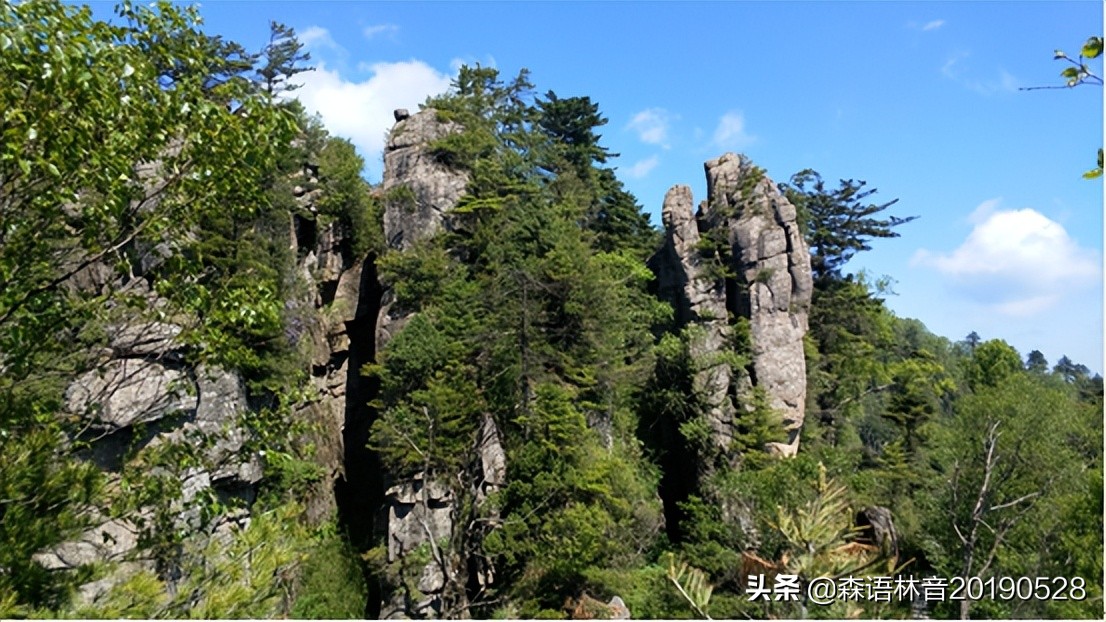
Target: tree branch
<point>1014,502</point>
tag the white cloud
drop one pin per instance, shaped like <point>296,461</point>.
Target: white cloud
<point>379,29</point>
<point>984,210</point>
<point>730,133</point>
<point>317,37</point>
<point>950,69</point>
<point>1028,306</point>
<point>641,168</point>
<point>457,62</point>
<point>956,69</point>
<point>651,126</point>
<point>362,110</point>
<point>925,26</point>
<point>1016,262</point>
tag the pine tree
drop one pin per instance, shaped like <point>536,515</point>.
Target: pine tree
<point>547,331</point>
<point>836,223</point>
<point>1036,362</point>
<point>282,59</point>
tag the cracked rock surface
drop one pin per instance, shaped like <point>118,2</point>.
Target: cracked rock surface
<point>434,188</point>
<point>769,283</point>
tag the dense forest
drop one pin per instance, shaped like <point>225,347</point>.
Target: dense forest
<point>237,380</point>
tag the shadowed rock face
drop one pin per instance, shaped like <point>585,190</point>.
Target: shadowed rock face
<point>771,286</point>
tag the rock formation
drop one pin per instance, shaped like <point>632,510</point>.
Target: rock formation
<point>419,192</point>
<point>328,307</point>
<point>587,607</point>
<point>143,395</point>
<point>701,301</point>
<point>877,528</point>
<point>741,256</point>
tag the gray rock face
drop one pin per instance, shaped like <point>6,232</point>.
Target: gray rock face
<point>140,397</point>
<point>327,307</point>
<point>419,192</point>
<point>126,392</point>
<point>420,515</point>
<point>418,189</point>
<point>143,394</point>
<point>587,607</point>
<point>619,610</point>
<point>111,541</point>
<point>143,338</point>
<point>492,477</point>
<point>770,285</point>
<point>877,528</point>
<point>493,459</point>
<point>775,284</point>
<point>700,301</point>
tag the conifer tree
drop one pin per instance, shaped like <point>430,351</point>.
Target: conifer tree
<point>837,223</point>
<point>282,57</point>
<point>1036,362</point>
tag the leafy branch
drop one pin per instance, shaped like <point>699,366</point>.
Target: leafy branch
<point>692,584</point>
<point>1079,73</point>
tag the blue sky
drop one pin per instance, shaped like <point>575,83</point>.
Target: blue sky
<point>921,100</point>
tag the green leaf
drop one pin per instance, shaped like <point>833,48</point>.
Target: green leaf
<point>1071,73</point>
<point>1092,48</point>
<point>1095,173</point>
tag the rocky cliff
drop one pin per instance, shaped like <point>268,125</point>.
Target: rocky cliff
<point>143,397</point>
<point>144,393</point>
<point>146,396</point>
<point>419,192</point>
<point>740,256</point>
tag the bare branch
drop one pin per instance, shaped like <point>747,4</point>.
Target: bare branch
<point>1014,502</point>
